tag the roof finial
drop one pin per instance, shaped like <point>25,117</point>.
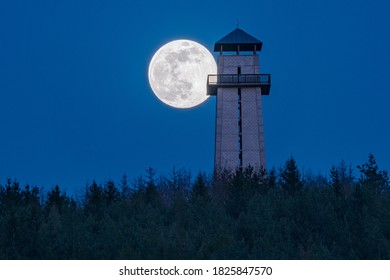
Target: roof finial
<point>237,23</point>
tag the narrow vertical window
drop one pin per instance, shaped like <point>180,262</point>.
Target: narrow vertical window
<point>239,127</point>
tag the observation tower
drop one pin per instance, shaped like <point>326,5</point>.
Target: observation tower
<point>239,87</point>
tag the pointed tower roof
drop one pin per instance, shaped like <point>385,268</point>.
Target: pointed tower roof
<point>238,39</point>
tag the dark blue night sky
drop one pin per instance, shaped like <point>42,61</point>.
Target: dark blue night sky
<point>76,104</point>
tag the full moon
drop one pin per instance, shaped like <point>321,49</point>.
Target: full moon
<point>178,73</point>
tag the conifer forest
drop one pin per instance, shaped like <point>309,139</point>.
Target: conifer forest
<point>280,213</point>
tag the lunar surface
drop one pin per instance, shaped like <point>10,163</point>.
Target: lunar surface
<point>178,73</point>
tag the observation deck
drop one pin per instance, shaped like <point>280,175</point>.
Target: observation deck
<point>238,81</point>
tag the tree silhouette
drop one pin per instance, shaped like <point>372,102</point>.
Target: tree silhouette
<point>247,214</point>
<point>290,177</point>
<point>371,177</point>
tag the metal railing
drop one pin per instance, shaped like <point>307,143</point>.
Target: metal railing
<point>238,80</point>
<point>222,79</point>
